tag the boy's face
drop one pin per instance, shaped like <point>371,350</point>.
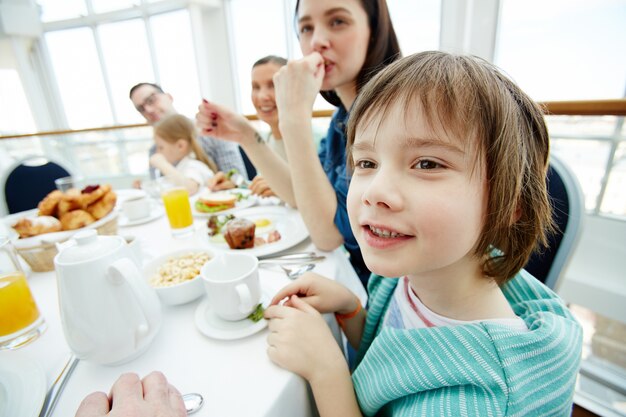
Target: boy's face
<point>417,198</point>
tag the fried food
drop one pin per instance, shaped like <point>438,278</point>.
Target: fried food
<point>76,219</point>
<point>103,206</point>
<point>69,202</point>
<point>48,206</point>
<point>38,225</point>
<point>93,193</point>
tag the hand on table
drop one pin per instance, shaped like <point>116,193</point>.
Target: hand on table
<point>151,397</point>
<point>301,341</point>
<point>260,187</point>
<point>222,123</point>
<point>219,182</point>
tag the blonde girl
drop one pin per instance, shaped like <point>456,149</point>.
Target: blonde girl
<point>179,156</point>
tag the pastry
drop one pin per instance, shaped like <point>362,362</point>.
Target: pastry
<point>93,193</point>
<point>48,206</point>
<point>103,206</point>
<point>28,227</point>
<point>76,219</point>
<point>239,233</point>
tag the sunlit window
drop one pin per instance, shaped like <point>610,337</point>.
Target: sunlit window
<point>125,66</point>
<point>101,6</point>
<point>15,115</point>
<point>417,24</point>
<point>176,59</point>
<point>79,76</point>
<point>258,28</point>
<point>61,9</point>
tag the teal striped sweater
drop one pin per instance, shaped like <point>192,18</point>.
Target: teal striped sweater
<point>478,369</point>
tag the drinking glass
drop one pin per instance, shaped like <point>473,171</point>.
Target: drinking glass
<point>177,207</point>
<point>20,319</point>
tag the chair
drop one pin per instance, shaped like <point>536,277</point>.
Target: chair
<point>568,209</point>
<point>29,181</point>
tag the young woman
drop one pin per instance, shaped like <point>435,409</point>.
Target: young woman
<point>344,42</point>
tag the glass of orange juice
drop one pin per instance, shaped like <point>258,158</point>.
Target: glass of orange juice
<point>20,320</point>
<point>177,206</point>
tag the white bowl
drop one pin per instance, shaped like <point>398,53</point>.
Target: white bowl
<point>178,293</point>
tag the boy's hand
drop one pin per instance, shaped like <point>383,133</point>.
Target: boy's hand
<point>300,340</point>
<point>323,294</point>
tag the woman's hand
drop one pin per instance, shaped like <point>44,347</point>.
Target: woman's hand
<point>222,123</point>
<point>296,85</point>
<point>151,397</point>
<point>260,187</point>
<point>323,294</point>
<point>219,182</point>
<point>300,340</point>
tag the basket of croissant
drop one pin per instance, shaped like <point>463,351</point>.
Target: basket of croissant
<point>58,216</point>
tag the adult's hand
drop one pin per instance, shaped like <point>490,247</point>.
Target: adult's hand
<point>151,397</point>
<point>219,182</point>
<point>296,85</point>
<point>222,123</point>
<point>260,187</point>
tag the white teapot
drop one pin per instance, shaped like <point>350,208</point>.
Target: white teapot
<point>109,312</point>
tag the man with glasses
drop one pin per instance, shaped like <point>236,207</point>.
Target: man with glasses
<point>154,104</point>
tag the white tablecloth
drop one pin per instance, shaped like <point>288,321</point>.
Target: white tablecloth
<point>235,377</point>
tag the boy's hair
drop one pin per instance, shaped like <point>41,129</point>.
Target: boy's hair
<point>383,47</point>
<point>472,99</point>
<point>273,59</point>
<point>136,86</point>
<point>177,126</point>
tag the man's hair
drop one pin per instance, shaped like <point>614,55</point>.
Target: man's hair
<point>271,59</point>
<point>383,46</point>
<point>136,86</point>
<point>473,100</point>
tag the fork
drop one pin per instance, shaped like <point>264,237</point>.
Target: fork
<point>294,271</point>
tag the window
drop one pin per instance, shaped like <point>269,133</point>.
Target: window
<point>15,115</point>
<point>417,24</point>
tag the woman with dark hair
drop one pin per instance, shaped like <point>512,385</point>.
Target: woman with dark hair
<point>345,43</point>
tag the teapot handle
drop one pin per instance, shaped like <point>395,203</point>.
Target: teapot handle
<point>125,270</point>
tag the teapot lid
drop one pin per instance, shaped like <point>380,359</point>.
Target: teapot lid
<point>88,246</point>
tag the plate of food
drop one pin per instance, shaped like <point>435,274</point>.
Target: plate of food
<point>257,230</point>
<point>207,203</point>
<point>60,214</point>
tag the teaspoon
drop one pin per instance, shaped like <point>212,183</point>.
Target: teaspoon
<point>193,402</point>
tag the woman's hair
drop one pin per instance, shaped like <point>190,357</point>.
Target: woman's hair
<point>271,59</point>
<point>472,99</point>
<point>383,46</point>
<point>177,126</point>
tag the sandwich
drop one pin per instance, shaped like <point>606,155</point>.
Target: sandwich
<point>214,202</point>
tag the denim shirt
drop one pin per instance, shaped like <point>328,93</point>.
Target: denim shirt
<point>332,154</point>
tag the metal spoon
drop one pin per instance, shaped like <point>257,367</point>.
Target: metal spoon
<point>193,402</point>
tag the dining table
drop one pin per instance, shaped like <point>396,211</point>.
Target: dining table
<point>235,377</point>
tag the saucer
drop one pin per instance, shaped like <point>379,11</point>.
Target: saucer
<point>156,211</point>
<point>214,327</point>
<point>22,387</point>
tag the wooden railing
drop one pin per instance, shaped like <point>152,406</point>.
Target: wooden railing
<point>616,107</point>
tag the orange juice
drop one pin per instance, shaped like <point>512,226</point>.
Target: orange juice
<point>17,306</point>
<point>177,207</point>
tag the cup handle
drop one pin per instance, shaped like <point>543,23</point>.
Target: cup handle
<point>245,298</point>
<point>125,270</point>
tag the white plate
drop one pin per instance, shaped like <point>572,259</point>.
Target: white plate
<point>214,327</point>
<point>156,211</point>
<point>248,202</point>
<point>287,221</point>
<point>10,220</point>
<point>22,387</point>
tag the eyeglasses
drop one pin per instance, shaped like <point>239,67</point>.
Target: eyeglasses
<point>149,101</point>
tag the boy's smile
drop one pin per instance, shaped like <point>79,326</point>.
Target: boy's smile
<point>417,198</point>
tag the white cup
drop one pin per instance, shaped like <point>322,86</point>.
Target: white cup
<point>136,207</point>
<point>232,284</point>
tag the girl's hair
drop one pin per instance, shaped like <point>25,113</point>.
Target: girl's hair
<point>471,98</point>
<point>270,59</point>
<point>177,126</point>
<point>382,50</point>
